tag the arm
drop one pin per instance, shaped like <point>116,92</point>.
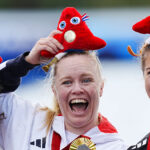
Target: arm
<point>11,107</point>
<point>12,70</point>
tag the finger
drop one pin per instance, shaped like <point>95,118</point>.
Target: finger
<point>49,42</point>
<point>47,48</point>
<point>53,46</point>
<point>54,32</point>
<point>57,43</point>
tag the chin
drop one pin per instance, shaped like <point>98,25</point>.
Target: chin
<point>80,122</point>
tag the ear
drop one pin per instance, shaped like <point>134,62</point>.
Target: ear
<point>101,88</point>
<point>54,90</point>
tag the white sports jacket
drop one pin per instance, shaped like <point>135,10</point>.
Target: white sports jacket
<point>21,123</point>
<point>22,128</point>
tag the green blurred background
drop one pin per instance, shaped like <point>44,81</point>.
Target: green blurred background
<point>76,3</point>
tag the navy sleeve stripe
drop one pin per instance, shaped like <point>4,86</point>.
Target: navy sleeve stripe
<point>11,71</point>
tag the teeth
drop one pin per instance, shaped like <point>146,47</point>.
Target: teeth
<point>75,101</point>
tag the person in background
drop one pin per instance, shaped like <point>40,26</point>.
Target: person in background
<point>77,84</point>
<point>143,27</point>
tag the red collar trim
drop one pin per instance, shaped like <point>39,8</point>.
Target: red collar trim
<point>105,126</point>
<point>56,140</point>
<point>148,145</point>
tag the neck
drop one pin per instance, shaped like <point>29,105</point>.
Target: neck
<point>80,130</point>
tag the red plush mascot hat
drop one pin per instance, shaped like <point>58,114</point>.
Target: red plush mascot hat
<point>75,34</point>
<point>143,27</point>
<point>1,59</point>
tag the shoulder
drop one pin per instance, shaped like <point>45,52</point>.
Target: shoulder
<point>143,144</point>
<point>12,100</point>
<point>13,106</point>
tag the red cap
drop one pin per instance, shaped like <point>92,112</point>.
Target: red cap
<point>142,26</point>
<point>75,33</point>
<point>1,59</point>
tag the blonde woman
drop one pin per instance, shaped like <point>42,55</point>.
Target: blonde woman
<point>77,84</point>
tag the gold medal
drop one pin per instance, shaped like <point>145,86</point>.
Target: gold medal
<point>82,144</point>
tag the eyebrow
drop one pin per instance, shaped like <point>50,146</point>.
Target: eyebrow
<point>86,74</point>
<point>82,75</point>
<point>147,69</point>
<point>64,78</point>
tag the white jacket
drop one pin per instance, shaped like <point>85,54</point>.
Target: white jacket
<point>22,128</point>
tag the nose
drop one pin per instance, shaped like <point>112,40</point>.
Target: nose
<point>77,88</point>
<point>69,36</point>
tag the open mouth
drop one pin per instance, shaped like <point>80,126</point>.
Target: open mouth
<point>78,105</point>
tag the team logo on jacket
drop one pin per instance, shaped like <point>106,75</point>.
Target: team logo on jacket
<point>39,142</point>
<point>82,144</point>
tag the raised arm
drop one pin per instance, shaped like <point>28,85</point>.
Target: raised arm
<point>12,70</point>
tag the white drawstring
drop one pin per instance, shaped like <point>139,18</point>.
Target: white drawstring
<point>147,41</point>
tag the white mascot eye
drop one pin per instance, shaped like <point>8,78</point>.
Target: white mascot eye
<point>75,20</point>
<point>62,25</point>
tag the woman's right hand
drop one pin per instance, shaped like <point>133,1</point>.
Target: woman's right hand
<point>49,44</point>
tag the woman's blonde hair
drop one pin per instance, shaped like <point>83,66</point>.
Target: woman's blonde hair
<point>51,113</point>
<point>145,49</point>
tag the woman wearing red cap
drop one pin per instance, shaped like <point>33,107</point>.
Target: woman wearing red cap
<point>143,27</point>
<point>77,85</point>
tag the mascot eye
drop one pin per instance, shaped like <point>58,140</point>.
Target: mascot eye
<point>75,20</point>
<point>62,25</point>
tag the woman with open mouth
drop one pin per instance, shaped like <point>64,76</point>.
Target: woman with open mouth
<point>77,84</point>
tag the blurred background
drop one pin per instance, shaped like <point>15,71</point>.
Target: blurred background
<point>124,101</point>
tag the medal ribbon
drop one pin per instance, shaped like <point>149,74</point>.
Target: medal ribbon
<point>56,140</point>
